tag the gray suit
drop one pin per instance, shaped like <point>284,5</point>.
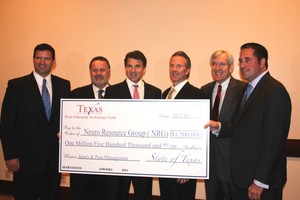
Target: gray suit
<point>219,184</point>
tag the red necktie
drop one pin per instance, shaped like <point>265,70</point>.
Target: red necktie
<point>217,103</point>
<point>136,94</point>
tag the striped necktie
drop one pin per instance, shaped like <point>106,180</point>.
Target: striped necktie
<point>46,99</point>
<point>100,92</point>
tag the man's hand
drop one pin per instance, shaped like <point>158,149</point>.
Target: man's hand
<point>182,180</point>
<point>213,125</point>
<point>13,164</point>
<point>254,192</point>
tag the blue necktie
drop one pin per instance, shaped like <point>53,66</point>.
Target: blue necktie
<point>247,94</point>
<point>46,99</point>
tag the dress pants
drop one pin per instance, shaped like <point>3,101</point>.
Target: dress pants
<point>87,187</point>
<point>171,190</point>
<point>142,188</point>
<point>219,190</point>
<point>30,185</point>
<point>100,187</point>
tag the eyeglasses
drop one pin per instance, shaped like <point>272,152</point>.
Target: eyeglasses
<point>220,64</point>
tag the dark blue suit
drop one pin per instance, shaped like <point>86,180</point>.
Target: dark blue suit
<point>259,137</point>
<point>26,134</point>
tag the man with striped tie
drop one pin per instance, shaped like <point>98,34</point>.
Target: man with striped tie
<point>84,186</point>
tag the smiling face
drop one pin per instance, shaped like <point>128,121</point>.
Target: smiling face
<point>250,66</point>
<point>43,62</point>
<point>220,69</point>
<point>100,73</point>
<point>178,70</point>
<point>135,69</point>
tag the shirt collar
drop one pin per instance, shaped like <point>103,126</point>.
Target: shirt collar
<point>224,84</point>
<point>96,89</point>
<point>257,79</point>
<point>40,79</point>
<point>180,85</point>
<point>130,83</point>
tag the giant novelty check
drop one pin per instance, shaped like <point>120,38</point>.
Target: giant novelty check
<point>149,138</point>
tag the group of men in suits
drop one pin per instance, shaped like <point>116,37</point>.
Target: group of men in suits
<point>247,145</point>
<point>258,131</point>
<point>117,187</point>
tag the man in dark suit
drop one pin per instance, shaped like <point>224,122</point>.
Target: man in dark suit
<point>179,71</point>
<point>84,186</point>
<point>220,185</point>
<point>260,130</point>
<point>29,132</point>
<point>134,88</point>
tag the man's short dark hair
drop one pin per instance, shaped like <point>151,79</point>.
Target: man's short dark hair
<point>44,47</point>
<point>188,63</point>
<point>183,54</point>
<point>138,55</point>
<point>259,51</point>
<point>99,58</point>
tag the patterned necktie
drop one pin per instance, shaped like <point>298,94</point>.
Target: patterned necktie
<point>172,90</point>
<point>46,99</point>
<point>100,92</point>
<point>247,94</point>
<point>217,103</point>
<point>136,94</point>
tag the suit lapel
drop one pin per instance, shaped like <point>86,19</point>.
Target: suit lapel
<point>148,93</point>
<point>229,98</point>
<point>182,93</point>
<point>34,90</point>
<point>209,94</point>
<point>165,94</point>
<point>90,92</point>
<point>254,94</point>
<point>55,98</point>
<point>124,91</point>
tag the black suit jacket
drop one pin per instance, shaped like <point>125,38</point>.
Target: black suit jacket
<point>24,129</point>
<point>142,186</point>
<point>169,188</point>
<point>188,91</point>
<point>121,91</point>
<point>259,135</point>
<point>220,147</point>
<point>85,92</point>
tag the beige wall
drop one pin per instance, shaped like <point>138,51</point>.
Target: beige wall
<point>82,29</point>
